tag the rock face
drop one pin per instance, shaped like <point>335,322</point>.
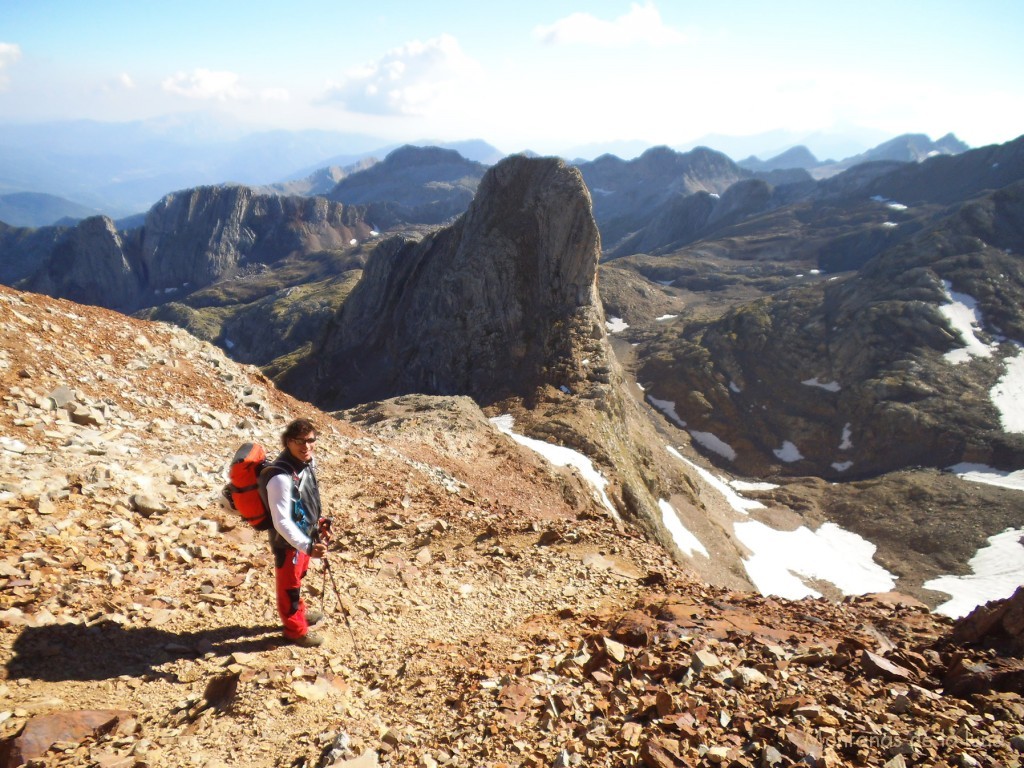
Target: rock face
<point>200,235</point>
<point>189,240</point>
<point>92,262</point>
<point>854,374</point>
<point>502,302</point>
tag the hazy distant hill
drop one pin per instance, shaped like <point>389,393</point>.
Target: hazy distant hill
<point>422,185</point>
<point>36,209</point>
<point>320,181</point>
<point>908,148</point>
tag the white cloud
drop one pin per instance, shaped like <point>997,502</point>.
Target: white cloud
<point>275,94</point>
<point>125,81</point>
<point>205,84</point>
<point>641,26</point>
<point>405,81</point>
<point>9,53</point>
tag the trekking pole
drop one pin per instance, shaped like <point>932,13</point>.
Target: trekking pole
<point>326,522</point>
<point>344,609</point>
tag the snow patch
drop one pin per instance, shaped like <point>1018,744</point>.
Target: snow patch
<point>734,500</point>
<point>616,325</point>
<point>715,444</point>
<point>980,473</point>
<point>733,387</point>
<point>998,569</point>
<point>841,466</point>
<point>666,317</point>
<point>963,317</point>
<point>831,386</point>
<point>782,559</point>
<point>1008,394</point>
<point>668,407</point>
<point>846,443</point>
<point>686,541</point>
<point>788,453</point>
<point>747,485</point>
<point>560,456</point>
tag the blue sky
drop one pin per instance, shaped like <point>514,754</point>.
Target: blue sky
<point>538,75</point>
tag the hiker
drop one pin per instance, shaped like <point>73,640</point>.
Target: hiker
<point>290,490</point>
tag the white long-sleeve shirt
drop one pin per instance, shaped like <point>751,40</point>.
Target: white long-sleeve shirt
<point>279,497</point>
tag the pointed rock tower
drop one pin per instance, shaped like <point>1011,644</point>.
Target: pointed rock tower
<point>501,303</point>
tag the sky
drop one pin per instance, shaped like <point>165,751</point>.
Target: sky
<point>538,75</point>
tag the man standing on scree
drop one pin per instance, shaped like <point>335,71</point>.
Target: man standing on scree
<point>290,489</point>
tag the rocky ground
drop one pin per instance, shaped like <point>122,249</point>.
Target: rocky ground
<point>483,610</point>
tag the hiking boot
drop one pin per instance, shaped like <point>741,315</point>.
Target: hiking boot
<point>313,616</point>
<point>309,640</point>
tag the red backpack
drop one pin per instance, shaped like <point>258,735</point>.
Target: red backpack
<point>242,492</point>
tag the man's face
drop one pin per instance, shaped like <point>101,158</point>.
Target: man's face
<point>301,447</point>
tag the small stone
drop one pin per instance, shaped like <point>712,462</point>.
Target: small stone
<point>62,397</point>
<point>717,755</point>
<point>616,650</point>
<point>702,660</point>
<point>147,505</point>
<point>747,677</point>
<point>771,758</point>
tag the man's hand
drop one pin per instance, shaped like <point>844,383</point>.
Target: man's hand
<point>318,551</point>
<point>324,530</point>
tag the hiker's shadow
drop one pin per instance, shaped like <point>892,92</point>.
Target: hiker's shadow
<point>107,650</point>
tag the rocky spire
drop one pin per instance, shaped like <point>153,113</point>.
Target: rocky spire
<point>501,303</point>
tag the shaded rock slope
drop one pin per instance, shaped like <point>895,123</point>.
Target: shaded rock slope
<point>482,609</point>
<point>189,240</point>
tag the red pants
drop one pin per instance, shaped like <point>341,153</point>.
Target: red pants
<point>288,577</point>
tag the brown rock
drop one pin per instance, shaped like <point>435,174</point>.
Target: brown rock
<point>965,678</point>
<point>515,696</point>
<point>877,666</point>
<point>999,622</point>
<point>635,628</point>
<point>43,731</point>
<point>661,753</point>
<point>802,744</point>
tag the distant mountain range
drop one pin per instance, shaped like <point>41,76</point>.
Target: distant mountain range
<point>121,169</point>
<point>124,168</point>
<point>909,148</point>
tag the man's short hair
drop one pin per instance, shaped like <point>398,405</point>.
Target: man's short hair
<point>297,428</point>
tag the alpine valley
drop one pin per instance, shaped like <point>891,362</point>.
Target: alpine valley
<point>667,461</point>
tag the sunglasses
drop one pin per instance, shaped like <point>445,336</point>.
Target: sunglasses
<point>304,440</point>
